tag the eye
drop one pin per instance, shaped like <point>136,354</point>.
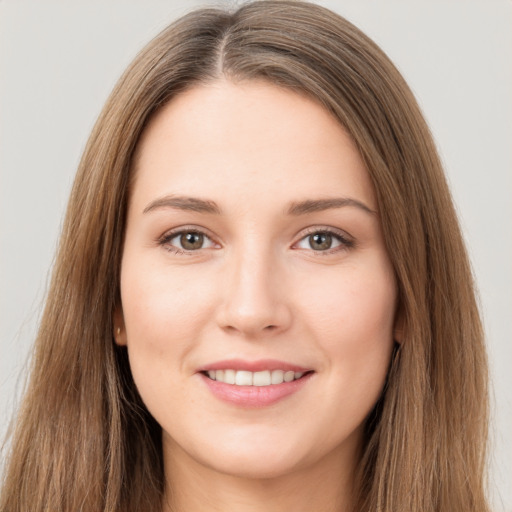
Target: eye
<point>189,240</point>
<point>324,241</point>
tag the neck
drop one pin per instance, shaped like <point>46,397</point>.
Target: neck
<point>326,485</point>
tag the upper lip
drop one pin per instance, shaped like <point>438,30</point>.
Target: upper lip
<point>253,366</point>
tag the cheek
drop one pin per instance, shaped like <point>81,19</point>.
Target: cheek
<point>353,300</point>
<point>164,313</point>
<point>161,306</point>
<point>351,318</point>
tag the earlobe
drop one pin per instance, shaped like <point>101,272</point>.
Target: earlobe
<point>119,328</point>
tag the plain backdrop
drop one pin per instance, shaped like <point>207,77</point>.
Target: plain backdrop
<point>59,61</point>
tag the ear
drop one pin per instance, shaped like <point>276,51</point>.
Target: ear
<point>119,328</point>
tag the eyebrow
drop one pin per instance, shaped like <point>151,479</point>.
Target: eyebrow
<point>296,208</point>
<point>318,205</point>
<point>193,204</point>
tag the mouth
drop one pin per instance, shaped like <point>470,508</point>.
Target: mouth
<point>258,379</point>
<point>254,384</point>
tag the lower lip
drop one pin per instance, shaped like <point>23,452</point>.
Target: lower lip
<point>254,396</point>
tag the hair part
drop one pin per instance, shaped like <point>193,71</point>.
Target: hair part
<point>84,439</point>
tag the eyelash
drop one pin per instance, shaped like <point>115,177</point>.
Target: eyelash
<point>165,240</point>
<point>345,243</point>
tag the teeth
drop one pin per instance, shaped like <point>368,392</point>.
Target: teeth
<point>277,377</point>
<point>229,377</point>
<point>245,378</point>
<point>289,376</point>
<point>261,378</point>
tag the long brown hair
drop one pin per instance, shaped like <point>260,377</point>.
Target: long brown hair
<point>83,438</point>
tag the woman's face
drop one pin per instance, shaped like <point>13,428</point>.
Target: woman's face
<point>254,254</point>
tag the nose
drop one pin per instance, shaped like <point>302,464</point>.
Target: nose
<point>255,302</point>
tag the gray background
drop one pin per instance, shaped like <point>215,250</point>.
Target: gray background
<point>59,60</point>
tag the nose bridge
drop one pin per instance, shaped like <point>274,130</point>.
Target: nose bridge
<point>253,299</point>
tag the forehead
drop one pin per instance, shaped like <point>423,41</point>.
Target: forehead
<point>248,138</point>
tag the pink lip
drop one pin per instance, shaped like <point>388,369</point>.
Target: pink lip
<point>253,366</point>
<point>253,396</point>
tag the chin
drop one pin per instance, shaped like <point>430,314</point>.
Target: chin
<point>256,466</point>
<point>255,455</point>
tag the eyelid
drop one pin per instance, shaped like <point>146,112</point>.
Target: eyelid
<point>346,240</point>
<point>165,238</point>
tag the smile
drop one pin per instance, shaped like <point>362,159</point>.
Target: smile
<point>247,378</point>
<point>254,384</point>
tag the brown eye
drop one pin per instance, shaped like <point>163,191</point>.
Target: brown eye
<point>186,241</point>
<point>191,241</point>
<point>324,242</point>
<point>320,241</point>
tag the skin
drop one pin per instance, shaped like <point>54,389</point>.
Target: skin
<point>256,289</point>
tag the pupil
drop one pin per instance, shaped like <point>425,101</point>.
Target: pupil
<point>191,241</point>
<point>320,241</point>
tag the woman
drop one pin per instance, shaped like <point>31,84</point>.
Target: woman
<point>261,298</point>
